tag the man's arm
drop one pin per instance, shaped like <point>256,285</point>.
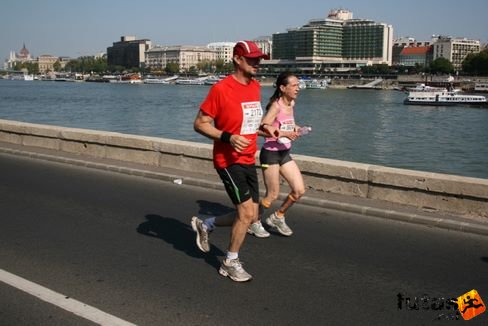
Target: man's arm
<point>204,125</point>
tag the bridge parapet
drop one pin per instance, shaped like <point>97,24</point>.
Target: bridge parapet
<point>447,193</point>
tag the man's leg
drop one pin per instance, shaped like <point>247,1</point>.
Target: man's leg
<point>231,265</point>
<point>203,227</point>
<point>245,215</point>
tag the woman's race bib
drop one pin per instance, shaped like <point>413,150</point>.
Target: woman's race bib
<point>286,125</point>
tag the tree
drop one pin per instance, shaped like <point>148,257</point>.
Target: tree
<point>88,64</point>
<point>206,66</point>
<point>219,66</point>
<point>57,66</point>
<point>172,68</point>
<point>376,69</point>
<point>193,70</point>
<point>476,63</point>
<point>32,67</point>
<point>441,65</point>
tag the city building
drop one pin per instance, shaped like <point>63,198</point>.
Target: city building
<point>223,50</point>
<point>265,43</point>
<point>22,57</point>
<point>46,63</point>
<point>414,56</point>
<point>335,43</point>
<point>455,49</point>
<point>128,52</point>
<point>185,56</point>
<point>401,43</point>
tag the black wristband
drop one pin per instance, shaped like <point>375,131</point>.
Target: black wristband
<point>225,137</point>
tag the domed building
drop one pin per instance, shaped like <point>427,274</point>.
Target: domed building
<point>21,57</point>
<point>24,54</point>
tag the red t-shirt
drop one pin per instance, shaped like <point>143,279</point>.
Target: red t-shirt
<point>235,108</point>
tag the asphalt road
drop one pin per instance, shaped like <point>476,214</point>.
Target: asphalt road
<point>124,245</point>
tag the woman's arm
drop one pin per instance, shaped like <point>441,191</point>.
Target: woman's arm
<point>267,129</point>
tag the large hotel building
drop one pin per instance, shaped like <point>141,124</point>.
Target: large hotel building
<point>336,43</point>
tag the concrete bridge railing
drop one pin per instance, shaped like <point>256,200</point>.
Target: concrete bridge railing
<point>447,193</point>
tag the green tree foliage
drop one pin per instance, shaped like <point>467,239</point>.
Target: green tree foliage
<point>442,66</point>
<point>57,66</point>
<point>377,69</point>
<point>206,66</point>
<point>172,68</point>
<point>88,64</point>
<point>219,66</point>
<point>32,67</point>
<point>193,70</point>
<point>476,63</point>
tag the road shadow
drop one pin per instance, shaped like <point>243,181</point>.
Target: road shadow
<point>484,259</point>
<point>180,235</point>
<point>213,209</point>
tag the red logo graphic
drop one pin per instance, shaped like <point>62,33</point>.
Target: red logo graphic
<point>470,305</point>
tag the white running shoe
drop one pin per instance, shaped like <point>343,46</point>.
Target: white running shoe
<point>202,234</point>
<point>233,269</point>
<point>258,230</point>
<point>280,224</point>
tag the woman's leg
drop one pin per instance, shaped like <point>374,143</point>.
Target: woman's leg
<point>271,176</point>
<point>293,177</point>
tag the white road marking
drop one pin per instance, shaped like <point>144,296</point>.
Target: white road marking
<point>74,306</point>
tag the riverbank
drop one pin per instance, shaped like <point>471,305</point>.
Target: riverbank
<point>400,82</point>
<point>372,127</point>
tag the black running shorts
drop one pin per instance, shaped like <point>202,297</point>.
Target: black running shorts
<point>241,182</point>
<point>267,157</point>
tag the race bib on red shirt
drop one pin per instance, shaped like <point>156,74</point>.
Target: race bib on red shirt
<point>251,117</point>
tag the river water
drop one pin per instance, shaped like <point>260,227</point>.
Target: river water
<point>366,126</point>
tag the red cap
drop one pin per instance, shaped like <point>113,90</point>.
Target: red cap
<point>249,49</point>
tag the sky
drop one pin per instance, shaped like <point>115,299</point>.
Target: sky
<point>78,28</point>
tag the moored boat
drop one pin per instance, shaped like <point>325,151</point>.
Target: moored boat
<point>481,87</point>
<point>444,98</point>
<point>371,85</point>
<point>308,83</point>
<point>426,88</point>
<point>212,80</point>
<point>196,81</point>
<point>21,76</point>
<point>155,81</point>
<point>317,84</point>
<point>127,79</point>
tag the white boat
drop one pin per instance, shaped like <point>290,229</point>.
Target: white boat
<point>426,88</point>
<point>371,85</point>
<point>212,80</point>
<point>21,76</point>
<point>167,80</point>
<point>443,98</point>
<point>155,81</point>
<point>481,87</point>
<point>196,81</point>
<point>127,79</point>
<point>315,84</point>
